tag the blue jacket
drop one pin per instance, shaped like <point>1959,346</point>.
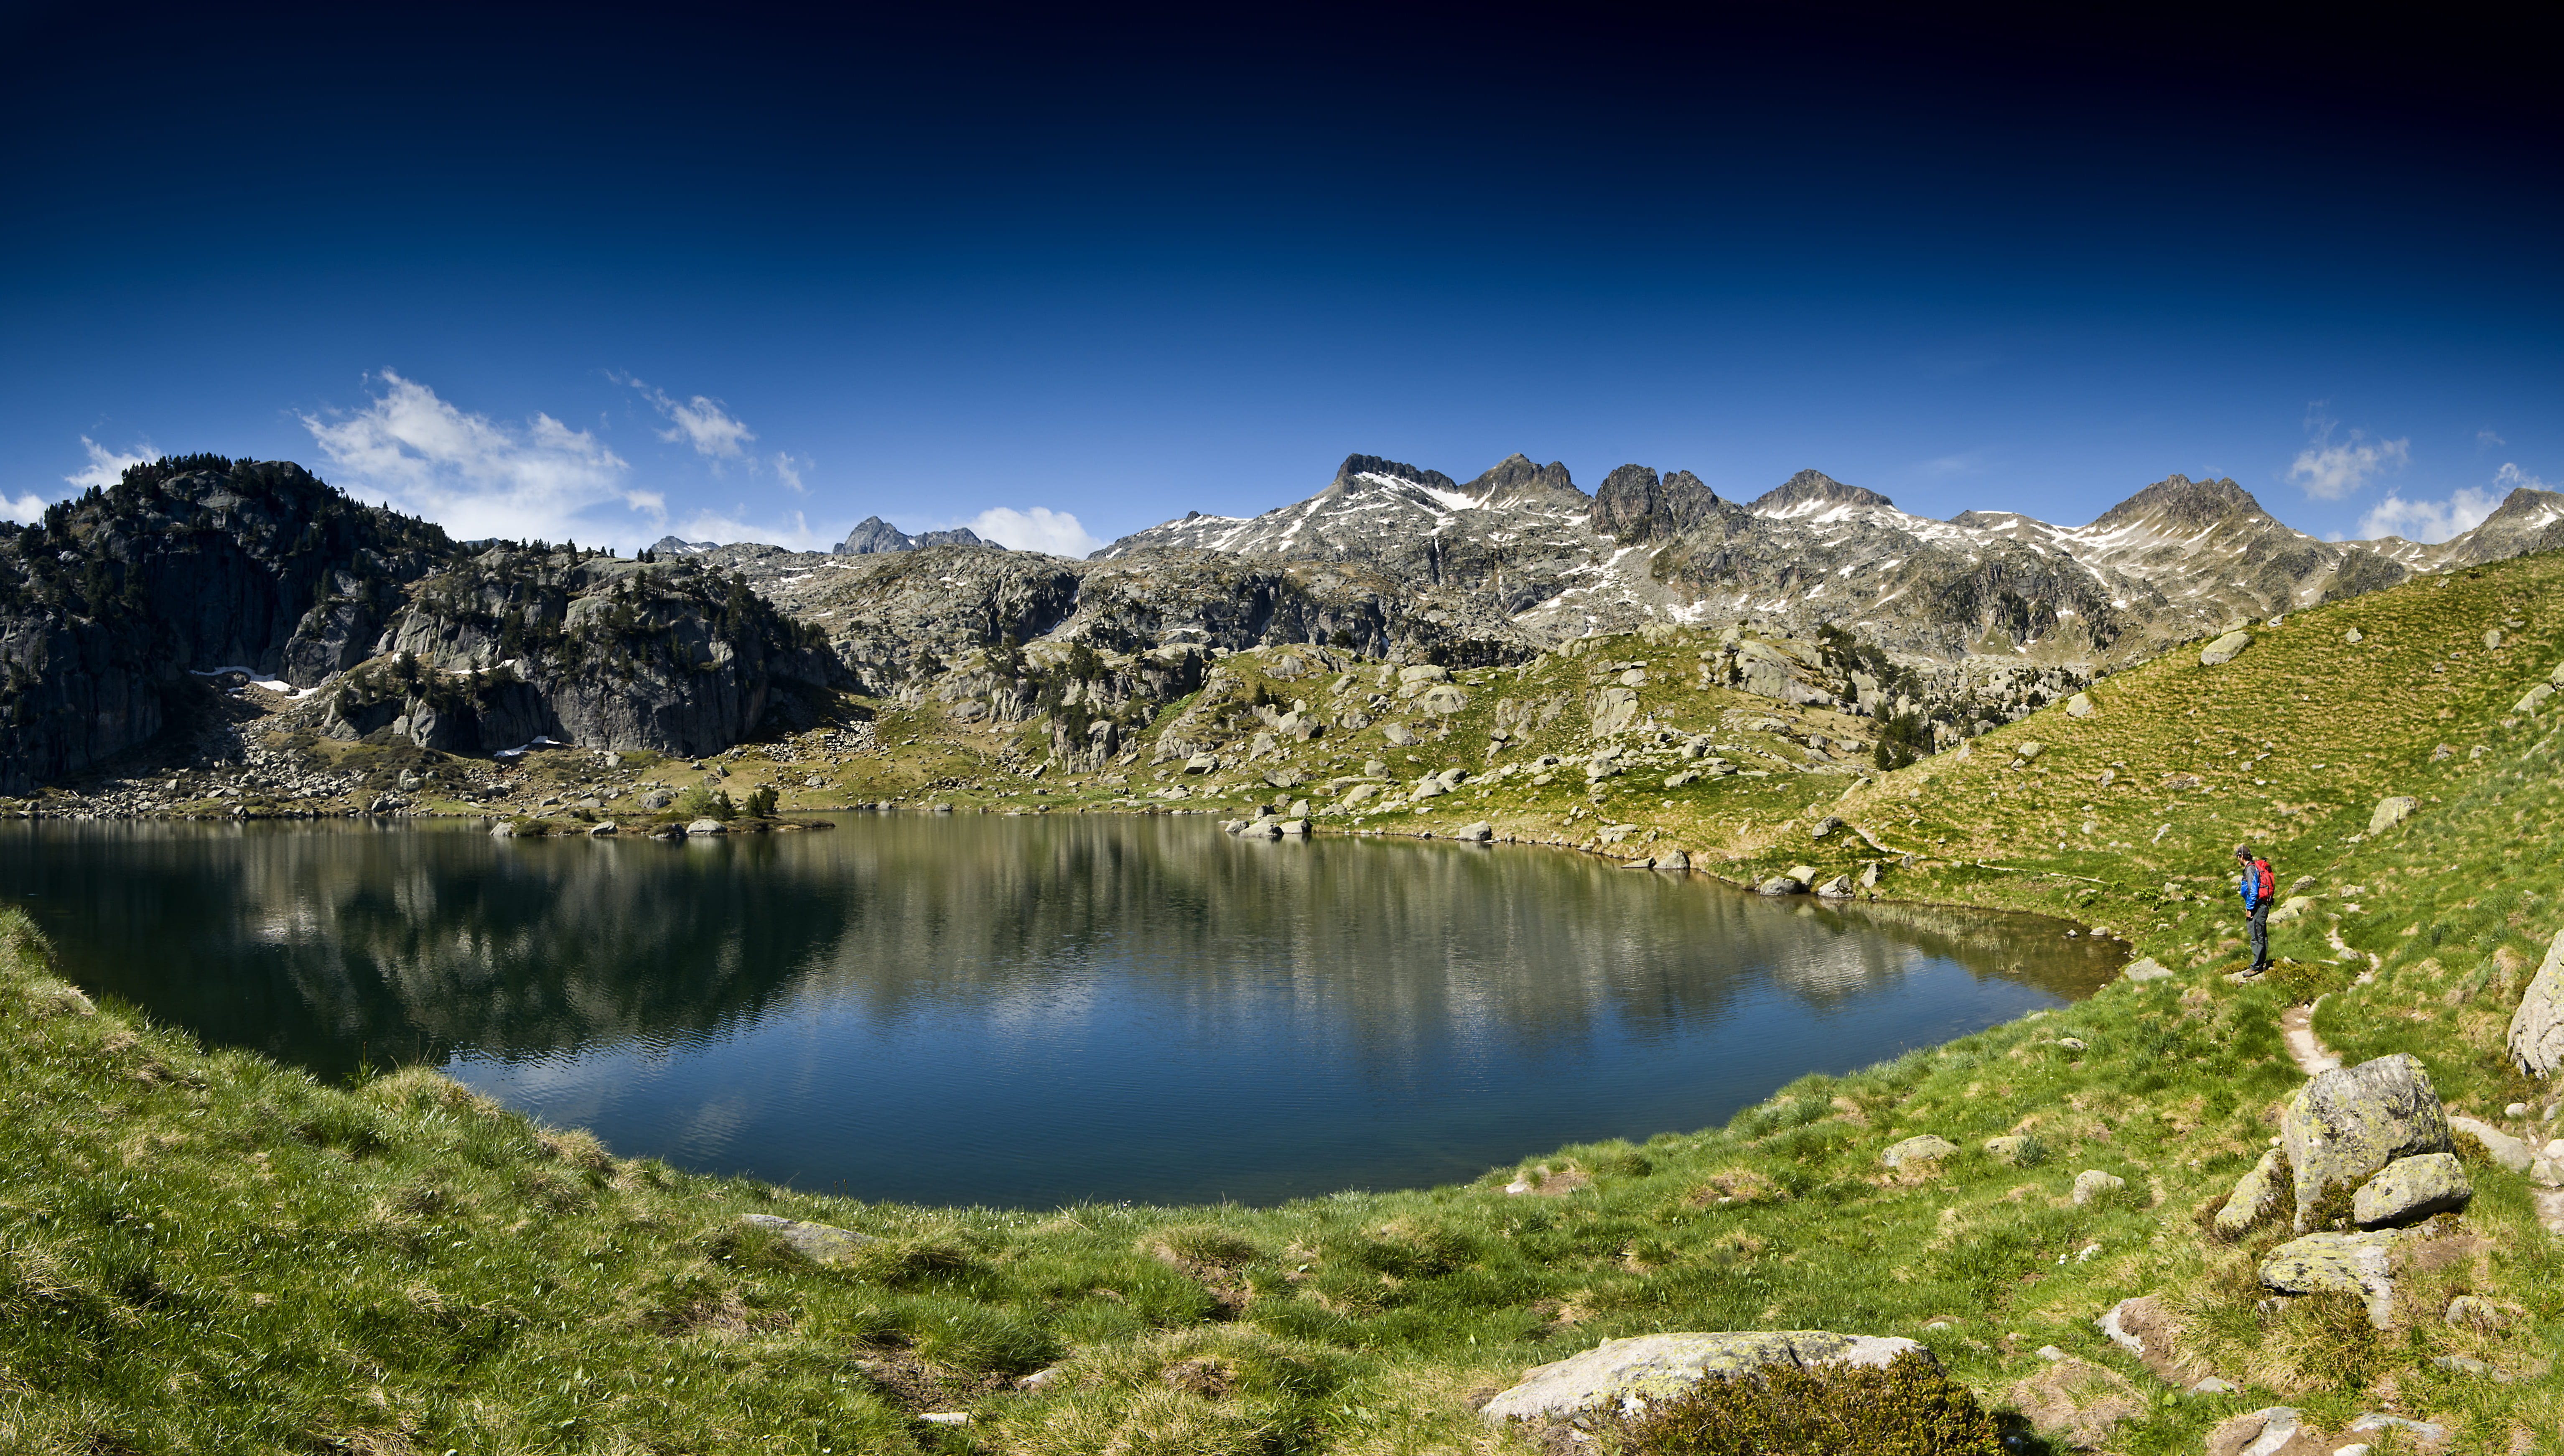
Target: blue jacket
<point>2251,886</point>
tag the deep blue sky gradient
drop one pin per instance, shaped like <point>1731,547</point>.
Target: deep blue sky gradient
<point>1130,266</point>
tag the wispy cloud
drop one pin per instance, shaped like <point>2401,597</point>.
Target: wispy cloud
<point>788,471</point>
<point>1037,530</point>
<point>2429,522</point>
<point>2487,440</point>
<point>106,467</point>
<point>2513,478</point>
<point>477,477</point>
<point>26,510</point>
<point>2331,470</point>
<point>702,421</point>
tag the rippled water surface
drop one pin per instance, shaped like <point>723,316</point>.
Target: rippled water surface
<point>1025,1011</point>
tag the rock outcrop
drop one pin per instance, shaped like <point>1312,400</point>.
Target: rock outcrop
<point>2537,1037</point>
<point>1627,1375</point>
<point>2347,1124</point>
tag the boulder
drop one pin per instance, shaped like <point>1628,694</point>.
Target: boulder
<point>503,829</point>
<point>1804,874</point>
<point>2079,705</point>
<point>1869,875</point>
<point>2536,1038</point>
<point>2225,649</point>
<point>2499,1146</point>
<point>2492,639</point>
<point>1615,709</point>
<point>2426,1432</point>
<point>2094,1183</point>
<point>819,1244</point>
<point>606,827</point>
<point>658,798</point>
<point>2146,969</point>
<point>2029,749</point>
<point>2410,1190</point>
<point>2348,1122</point>
<point>1838,888</point>
<point>1921,1149</point>
<point>1625,1374</point>
<point>1399,734</point>
<point>1673,860</point>
<point>707,827</point>
<point>1824,826</point>
<point>2338,1262</point>
<point>2255,1198</point>
<point>2264,1432</point>
<point>1423,673</point>
<point>1442,699</point>
<point>2535,699</point>
<point>2354,637</point>
<point>1780,884</point>
<point>2391,812</point>
<point>2012,1149</point>
<point>1478,833</point>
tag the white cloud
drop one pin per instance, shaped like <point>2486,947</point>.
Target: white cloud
<point>2330,472</point>
<point>106,467</point>
<point>1038,529</point>
<point>2513,478</point>
<point>701,421</point>
<point>788,471</point>
<point>27,510</point>
<point>477,477</point>
<point>728,530</point>
<point>2429,522</point>
<point>2486,439</point>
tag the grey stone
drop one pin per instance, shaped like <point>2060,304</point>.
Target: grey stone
<point>2535,699</point>
<point>2146,969</point>
<point>2264,1432</point>
<point>2536,1039</point>
<point>658,798</point>
<point>1673,860</point>
<point>820,1243</point>
<point>2009,1149</point>
<point>1838,888</point>
<point>1920,1149</point>
<point>2338,1262</point>
<point>706,827</point>
<point>2255,1196</point>
<point>2420,1430</point>
<point>2094,1183</point>
<point>2348,1122</point>
<point>1627,1375</point>
<point>2225,649</point>
<point>2392,811</point>
<point>2410,1190</point>
<point>604,827</point>
<point>1782,885</point>
<point>503,829</point>
<point>2079,705</point>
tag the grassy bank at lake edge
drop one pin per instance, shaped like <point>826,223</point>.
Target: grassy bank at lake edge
<point>209,1253</point>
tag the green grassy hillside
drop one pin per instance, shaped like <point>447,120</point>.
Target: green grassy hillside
<point>207,1253</point>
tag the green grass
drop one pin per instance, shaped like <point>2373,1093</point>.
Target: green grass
<point>209,1253</point>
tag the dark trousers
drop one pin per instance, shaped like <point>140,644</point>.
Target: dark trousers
<point>2261,937</point>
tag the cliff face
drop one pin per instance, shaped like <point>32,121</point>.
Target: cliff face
<point>184,565</point>
<point>512,644</point>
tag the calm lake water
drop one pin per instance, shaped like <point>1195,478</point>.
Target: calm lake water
<point>1025,1011</point>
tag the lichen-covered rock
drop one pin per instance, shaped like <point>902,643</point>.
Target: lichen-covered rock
<point>2410,1190</point>
<point>1478,833</point>
<point>707,827</point>
<point>2392,811</point>
<point>2012,1149</point>
<point>2338,1262</point>
<point>2146,969</point>
<point>1920,1149</point>
<point>2255,1198</point>
<point>2536,1038</point>
<point>2346,1124</point>
<point>2223,649</point>
<point>1838,888</point>
<point>1627,1374</point>
<point>2499,1145</point>
<point>2535,699</point>
<point>1780,884</point>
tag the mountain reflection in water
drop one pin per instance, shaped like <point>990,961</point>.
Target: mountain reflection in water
<point>1025,1010</point>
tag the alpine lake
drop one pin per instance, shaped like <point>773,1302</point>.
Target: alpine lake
<point>1025,1011</point>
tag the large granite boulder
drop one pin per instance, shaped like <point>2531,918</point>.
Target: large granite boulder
<point>2392,811</point>
<point>2225,649</point>
<point>1922,1149</point>
<point>820,1243</point>
<point>2255,1196</point>
<point>2347,1124</point>
<point>2537,1027</point>
<point>1627,1375</point>
<point>2410,1190</point>
<point>2362,1264</point>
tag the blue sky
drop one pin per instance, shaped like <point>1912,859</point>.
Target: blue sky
<point>607,274</point>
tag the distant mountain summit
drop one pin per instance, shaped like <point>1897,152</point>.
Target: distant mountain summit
<point>2175,559</point>
<point>875,537</point>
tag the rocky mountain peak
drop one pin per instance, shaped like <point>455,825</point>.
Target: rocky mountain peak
<point>1810,489</point>
<point>2182,502</point>
<point>1395,470</point>
<point>673,546</point>
<point>1632,503</point>
<point>873,536</point>
<point>1516,475</point>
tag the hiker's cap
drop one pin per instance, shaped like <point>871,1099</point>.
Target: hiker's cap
<point>2243,851</point>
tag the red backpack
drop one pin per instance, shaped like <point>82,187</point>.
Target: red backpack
<point>2267,882</point>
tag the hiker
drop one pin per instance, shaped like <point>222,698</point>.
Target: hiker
<point>2255,886</point>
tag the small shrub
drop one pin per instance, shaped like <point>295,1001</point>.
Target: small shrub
<point>1909,1408</point>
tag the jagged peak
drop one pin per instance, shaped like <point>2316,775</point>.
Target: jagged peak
<point>1515,475</point>
<point>1810,487</point>
<point>2183,502</point>
<point>1396,470</point>
<point>2526,506</point>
